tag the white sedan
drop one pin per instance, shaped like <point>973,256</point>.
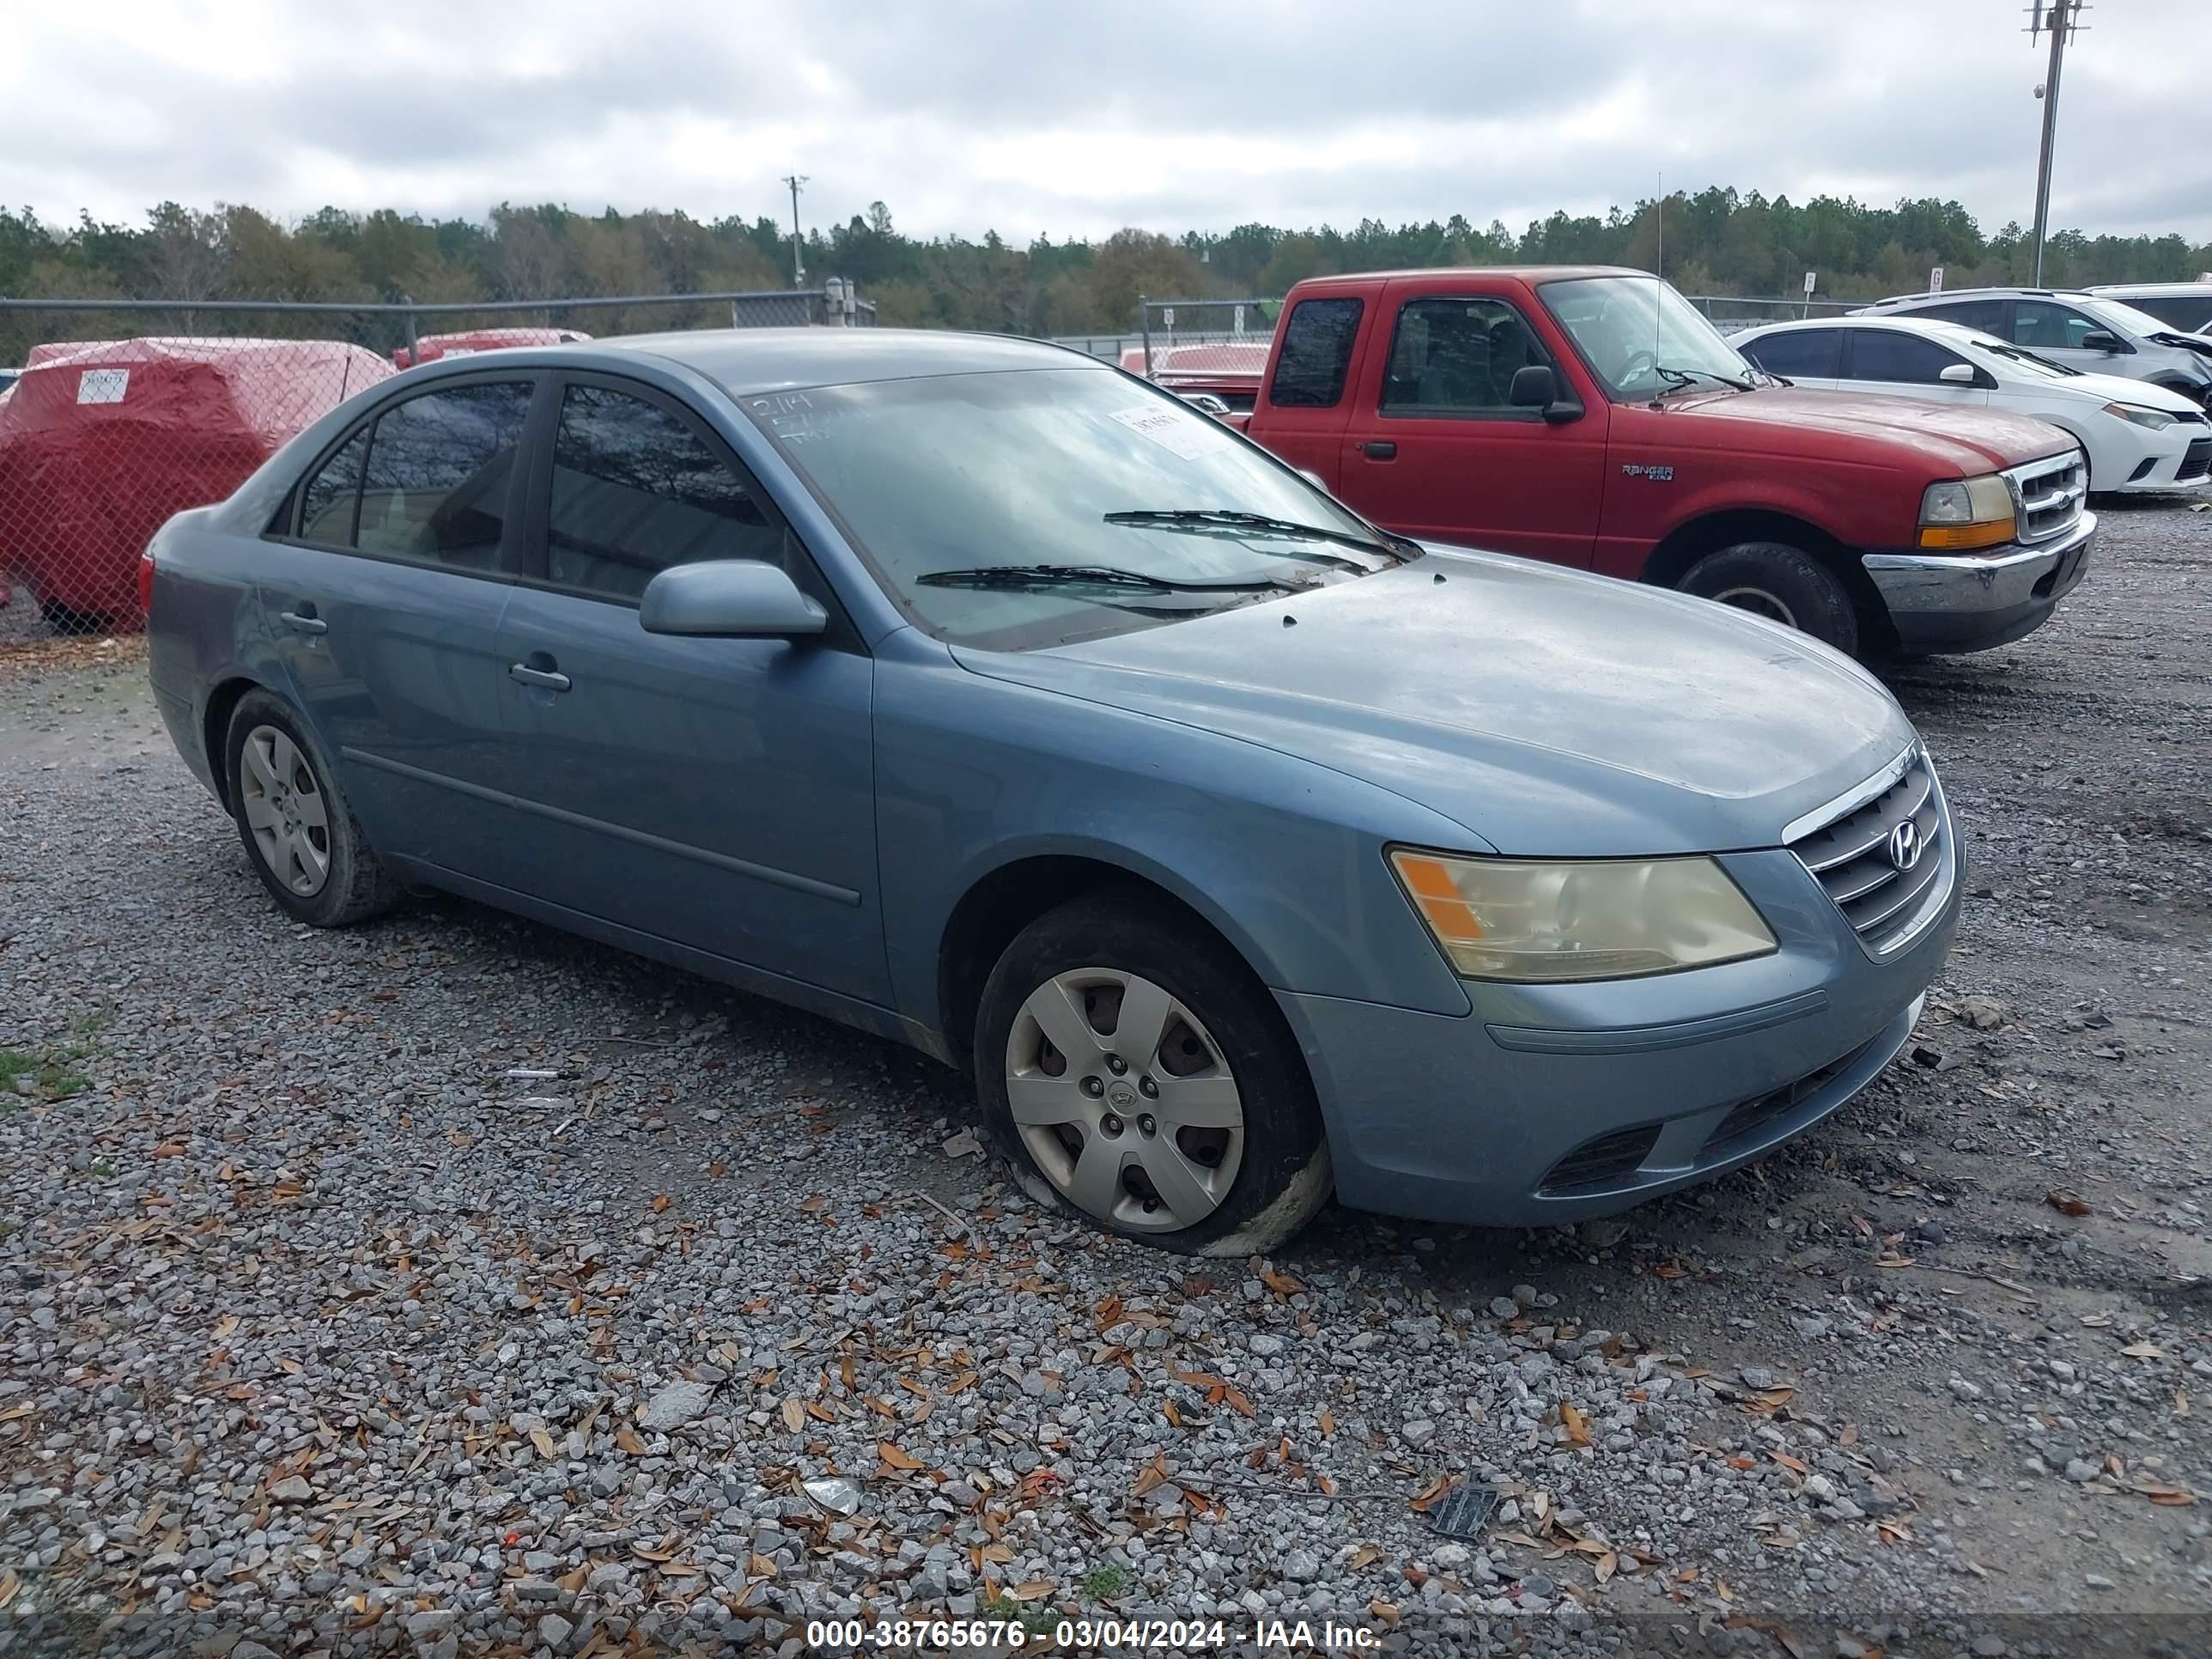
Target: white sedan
<point>2138,437</point>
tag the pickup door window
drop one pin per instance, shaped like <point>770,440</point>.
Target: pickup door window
<point>1434,448</point>
<point>1306,407</point>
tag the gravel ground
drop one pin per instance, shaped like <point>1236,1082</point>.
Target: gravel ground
<point>448,1285</point>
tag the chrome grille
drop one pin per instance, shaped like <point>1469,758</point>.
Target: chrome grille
<point>2048,494</point>
<point>1853,854</point>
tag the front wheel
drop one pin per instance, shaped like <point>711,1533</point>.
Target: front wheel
<point>1782,583</point>
<point>1137,1073</point>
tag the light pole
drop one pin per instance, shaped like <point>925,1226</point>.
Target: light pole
<point>2062,24</point>
<point>798,263</point>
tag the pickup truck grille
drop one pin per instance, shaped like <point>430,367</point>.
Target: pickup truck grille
<point>1877,872</point>
<point>2048,494</point>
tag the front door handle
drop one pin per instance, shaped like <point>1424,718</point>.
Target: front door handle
<point>303,621</point>
<point>545,677</point>
<point>1379,449</point>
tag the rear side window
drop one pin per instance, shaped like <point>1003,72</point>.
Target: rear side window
<point>440,472</point>
<point>1316,354</point>
<point>1811,354</point>
<point>1986,316</point>
<point>326,505</point>
<point>2190,314</point>
<point>1889,354</point>
<point>636,491</point>
<point>1456,357</point>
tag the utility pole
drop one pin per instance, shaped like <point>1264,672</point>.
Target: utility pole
<point>2062,21</point>
<point>798,262</point>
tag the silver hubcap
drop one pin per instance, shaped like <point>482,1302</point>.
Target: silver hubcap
<point>1124,1100</point>
<point>285,810</point>
<point>1760,602</point>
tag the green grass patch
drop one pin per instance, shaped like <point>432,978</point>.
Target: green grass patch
<point>1104,1583</point>
<point>51,1074</point>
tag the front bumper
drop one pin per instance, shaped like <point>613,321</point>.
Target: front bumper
<point>1553,1103</point>
<point>1961,602</point>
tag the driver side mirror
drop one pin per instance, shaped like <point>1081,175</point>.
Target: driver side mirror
<point>728,598</point>
<point>1537,387</point>
<point>1956,374</point>
<point>2100,339</point>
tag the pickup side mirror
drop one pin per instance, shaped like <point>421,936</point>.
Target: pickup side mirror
<point>1536,386</point>
<point>1956,374</point>
<point>2100,339</point>
<point>728,598</point>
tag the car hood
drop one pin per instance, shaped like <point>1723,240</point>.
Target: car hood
<point>1545,710</point>
<point>2102,389</point>
<point>1971,440</point>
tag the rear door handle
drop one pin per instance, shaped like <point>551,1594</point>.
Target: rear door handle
<point>303,621</point>
<point>545,677</point>
<point>1379,449</point>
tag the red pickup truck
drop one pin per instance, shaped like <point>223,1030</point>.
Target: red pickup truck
<point>1590,415</point>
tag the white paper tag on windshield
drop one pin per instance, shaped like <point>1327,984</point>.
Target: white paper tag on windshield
<point>102,385</point>
<point>1183,434</point>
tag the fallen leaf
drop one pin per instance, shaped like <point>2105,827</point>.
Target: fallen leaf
<point>1577,1430</point>
<point>661,1203</point>
<point>1281,1284</point>
<point>543,1441</point>
<point>1035,1590</point>
<point>1365,1556</point>
<point>1386,1610</point>
<point>9,1583</point>
<point>1607,1564</point>
<point>2143,1351</point>
<point>1328,1422</point>
<point>1788,1462</point>
<point>225,1326</point>
<point>1435,1489</point>
<point>628,1439</point>
<point>894,1458</point>
<point>794,1414</point>
<point>2064,1202</point>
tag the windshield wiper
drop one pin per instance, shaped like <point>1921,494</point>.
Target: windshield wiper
<point>1021,577</point>
<point>1679,378</point>
<point>1226,520</point>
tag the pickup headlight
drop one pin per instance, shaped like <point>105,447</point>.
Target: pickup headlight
<point>2155,420</point>
<point>1515,919</point>
<point>1966,512</point>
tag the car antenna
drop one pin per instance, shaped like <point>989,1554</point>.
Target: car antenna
<point>1658,277</point>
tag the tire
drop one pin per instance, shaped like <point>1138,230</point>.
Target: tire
<point>1782,583</point>
<point>298,828</point>
<point>1247,1166</point>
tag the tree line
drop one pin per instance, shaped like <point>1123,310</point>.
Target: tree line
<point>1717,242</point>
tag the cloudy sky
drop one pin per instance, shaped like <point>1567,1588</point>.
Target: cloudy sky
<point>1064,119</point>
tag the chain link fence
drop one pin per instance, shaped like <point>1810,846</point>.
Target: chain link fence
<point>121,413</point>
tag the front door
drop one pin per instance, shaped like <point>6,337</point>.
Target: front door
<point>1434,448</point>
<point>717,794</point>
<point>387,615</point>
<point>1897,363</point>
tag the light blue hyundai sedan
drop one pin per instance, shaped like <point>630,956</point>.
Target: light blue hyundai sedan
<point>982,696</point>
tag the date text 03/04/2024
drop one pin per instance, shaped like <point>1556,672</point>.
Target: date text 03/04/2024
<point>933,1636</point>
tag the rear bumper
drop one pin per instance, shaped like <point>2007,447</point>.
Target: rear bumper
<point>1551,1104</point>
<point>1958,603</point>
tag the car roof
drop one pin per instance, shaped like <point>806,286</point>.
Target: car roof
<point>1977,293</point>
<point>743,360</point>
<point>1520,273</point>
<point>2153,290</point>
<point>1935,327</point>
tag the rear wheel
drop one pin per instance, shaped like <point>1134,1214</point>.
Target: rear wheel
<point>1138,1074</point>
<point>1782,583</point>
<point>300,834</point>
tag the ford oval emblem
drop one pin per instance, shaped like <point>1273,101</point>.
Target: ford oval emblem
<point>1904,845</point>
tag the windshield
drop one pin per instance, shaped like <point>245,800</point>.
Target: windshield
<point>1034,506</point>
<point>1643,339</point>
<point>2024,361</point>
<point>2126,319</point>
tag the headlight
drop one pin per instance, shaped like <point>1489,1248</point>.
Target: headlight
<point>1966,512</point>
<point>2156,420</point>
<point>1514,919</point>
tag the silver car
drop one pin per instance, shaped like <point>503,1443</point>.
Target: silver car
<point>990,699</point>
<point>2094,333</point>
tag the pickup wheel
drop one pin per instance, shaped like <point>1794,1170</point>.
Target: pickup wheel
<point>1782,583</point>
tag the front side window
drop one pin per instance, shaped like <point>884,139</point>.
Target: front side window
<point>1029,508</point>
<point>1811,354</point>
<point>1641,339</point>
<point>1457,357</point>
<point>636,491</point>
<point>439,474</point>
<point>1890,354</point>
<point>2190,314</point>
<point>1316,354</point>
<point>2044,326</point>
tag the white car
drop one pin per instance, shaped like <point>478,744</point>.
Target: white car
<point>2138,437</point>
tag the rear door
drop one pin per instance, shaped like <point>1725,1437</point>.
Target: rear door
<point>1898,363</point>
<point>1309,381</point>
<point>386,608</point>
<point>717,794</point>
<point>1434,447</point>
